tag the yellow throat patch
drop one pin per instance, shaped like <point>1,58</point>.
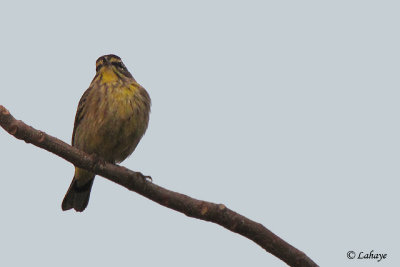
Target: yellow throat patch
<point>108,75</point>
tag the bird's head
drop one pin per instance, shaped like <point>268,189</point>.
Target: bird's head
<point>111,68</point>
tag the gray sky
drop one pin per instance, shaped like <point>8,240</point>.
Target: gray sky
<point>285,111</point>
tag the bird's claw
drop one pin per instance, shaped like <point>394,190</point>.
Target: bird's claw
<point>146,178</point>
<point>98,161</point>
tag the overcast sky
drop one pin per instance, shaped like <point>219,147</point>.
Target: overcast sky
<point>285,111</point>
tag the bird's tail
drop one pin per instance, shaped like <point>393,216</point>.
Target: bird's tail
<point>77,196</point>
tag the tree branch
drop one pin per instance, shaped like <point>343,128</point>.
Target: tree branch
<point>135,181</point>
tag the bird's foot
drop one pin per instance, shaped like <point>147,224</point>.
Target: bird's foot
<point>97,161</point>
<point>146,178</point>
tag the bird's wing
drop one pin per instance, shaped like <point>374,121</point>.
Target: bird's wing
<point>80,111</point>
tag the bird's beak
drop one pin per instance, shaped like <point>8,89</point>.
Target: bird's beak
<point>107,63</point>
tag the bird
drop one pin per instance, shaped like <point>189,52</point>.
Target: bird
<point>111,118</point>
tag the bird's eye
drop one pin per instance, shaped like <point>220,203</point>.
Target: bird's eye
<point>119,65</point>
<point>99,64</point>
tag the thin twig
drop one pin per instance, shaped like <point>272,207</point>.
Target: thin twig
<point>135,181</point>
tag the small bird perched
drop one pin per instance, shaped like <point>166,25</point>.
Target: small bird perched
<point>112,117</point>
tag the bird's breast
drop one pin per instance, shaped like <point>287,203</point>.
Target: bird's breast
<point>119,122</point>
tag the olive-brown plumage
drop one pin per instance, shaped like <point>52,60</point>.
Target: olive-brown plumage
<point>112,117</point>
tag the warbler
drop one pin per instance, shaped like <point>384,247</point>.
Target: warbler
<point>112,116</point>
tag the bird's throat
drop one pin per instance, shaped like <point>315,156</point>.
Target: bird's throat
<point>108,75</point>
